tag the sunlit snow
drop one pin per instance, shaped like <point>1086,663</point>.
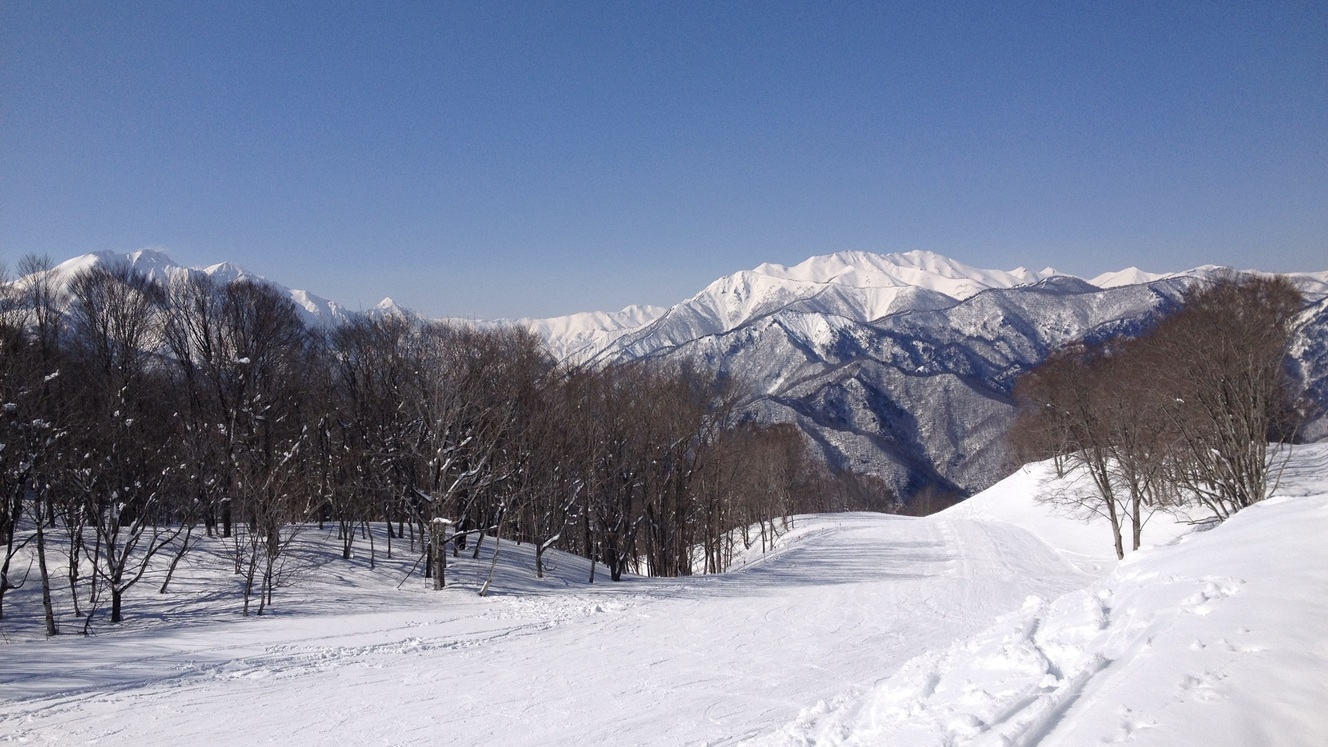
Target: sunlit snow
<point>997,622</point>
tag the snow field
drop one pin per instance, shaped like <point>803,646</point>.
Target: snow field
<point>1218,639</point>
<point>957,629</point>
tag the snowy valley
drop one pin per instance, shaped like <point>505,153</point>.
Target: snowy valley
<point>745,374</point>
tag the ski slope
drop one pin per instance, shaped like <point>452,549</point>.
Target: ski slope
<point>970,627</point>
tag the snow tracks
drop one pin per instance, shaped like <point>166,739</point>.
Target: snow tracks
<point>1218,640</point>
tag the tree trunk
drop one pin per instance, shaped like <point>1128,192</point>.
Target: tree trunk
<point>438,552</point>
<point>51,628</point>
<point>1138,532</point>
<point>184,548</point>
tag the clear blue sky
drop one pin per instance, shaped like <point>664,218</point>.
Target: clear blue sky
<point>495,159</point>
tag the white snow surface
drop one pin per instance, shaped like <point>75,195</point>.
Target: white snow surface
<point>855,285</point>
<point>579,335</point>
<point>996,622</point>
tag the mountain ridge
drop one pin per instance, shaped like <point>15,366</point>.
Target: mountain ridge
<point>898,365</point>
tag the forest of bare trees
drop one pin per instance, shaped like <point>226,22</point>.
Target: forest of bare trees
<point>1187,416</point>
<point>139,419</point>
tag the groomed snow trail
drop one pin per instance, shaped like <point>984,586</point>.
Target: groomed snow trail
<point>845,601</point>
<point>1217,638</point>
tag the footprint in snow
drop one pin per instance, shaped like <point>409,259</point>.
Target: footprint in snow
<point>1201,687</point>
<point>1237,648</point>
<point>1215,588</point>
<point>1130,722</point>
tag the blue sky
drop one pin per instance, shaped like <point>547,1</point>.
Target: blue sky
<point>497,159</point>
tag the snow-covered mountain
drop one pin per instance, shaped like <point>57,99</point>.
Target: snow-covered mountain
<point>582,335</point>
<point>855,285</point>
<point>902,365</point>
<point>158,266</point>
<point>860,286</point>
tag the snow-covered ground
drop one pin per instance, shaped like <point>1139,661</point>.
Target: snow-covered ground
<point>996,622</point>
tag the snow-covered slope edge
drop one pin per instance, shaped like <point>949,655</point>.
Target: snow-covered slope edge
<point>1215,639</point>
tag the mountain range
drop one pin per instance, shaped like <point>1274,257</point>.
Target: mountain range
<point>898,365</point>
<point>903,365</point>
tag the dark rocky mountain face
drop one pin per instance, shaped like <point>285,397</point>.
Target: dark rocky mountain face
<point>1309,364</point>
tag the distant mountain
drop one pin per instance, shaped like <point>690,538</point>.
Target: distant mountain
<point>584,335</point>
<point>158,266</point>
<point>854,285</point>
<point>903,365</point>
<point>900,365</point>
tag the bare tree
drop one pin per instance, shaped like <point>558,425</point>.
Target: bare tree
<point>1230,390</point>
<point>126,474</point>
<point>267,350</point>
<point>1182,415</point>
<point>1063,405</point>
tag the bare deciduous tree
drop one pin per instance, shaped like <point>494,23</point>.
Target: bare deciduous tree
<point>1182,415</point>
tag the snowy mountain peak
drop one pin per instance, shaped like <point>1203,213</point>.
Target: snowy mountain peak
<point>226,272</point>
<point>160,267</point>
<point>1128,276</point>
<point>855,285</point>
<point>581,335</point>
<point>917,268</point>
<point>150,257</point>
<point>388,308</point>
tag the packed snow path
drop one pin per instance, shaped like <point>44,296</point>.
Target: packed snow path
<point>996,622</point>
<point>847,599</point>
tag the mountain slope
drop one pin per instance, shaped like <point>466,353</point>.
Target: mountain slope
<point>920,397</point>
<point>578,336</point>
<point>158,266</point>
<point>856,285</point>
<point>902,365</point>
<point>1208,638</point>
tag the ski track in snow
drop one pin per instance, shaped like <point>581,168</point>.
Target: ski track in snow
<point>1154,653</point>
<point>644,662</point>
